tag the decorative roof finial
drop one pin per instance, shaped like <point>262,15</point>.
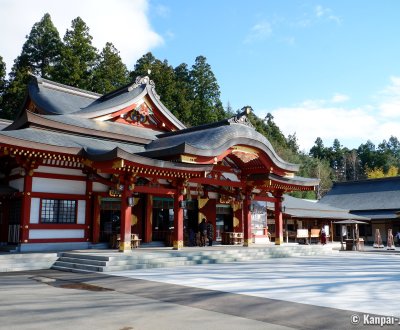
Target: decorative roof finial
<point>242,117</point>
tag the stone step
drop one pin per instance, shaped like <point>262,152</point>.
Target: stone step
<point>83,261</point>
<point>67,269</point>
<point>80,266</point>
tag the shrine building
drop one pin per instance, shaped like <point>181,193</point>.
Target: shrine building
<point>78,167</point>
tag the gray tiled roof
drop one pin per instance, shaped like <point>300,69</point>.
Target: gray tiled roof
<point>373,194</point>
<point>301,208</point>
<point>56,98</point>
<point>105,126</point>
<point>211,140</point>
<point>91,145</point>
<point>104,106</point>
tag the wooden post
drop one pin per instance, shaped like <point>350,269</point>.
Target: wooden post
<point>148,221</point>
<point>25,209</point>
<point>278,220</point>
<point>88,209</point>
<point>96,218</point>
<point>178,220</point>
<point>126,211</point>
<point>247,221</point>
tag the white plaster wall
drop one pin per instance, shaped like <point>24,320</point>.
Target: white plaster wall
<point>17,184</point>
<point>53,233</point>
<point>58,170</point>
<point>58,186</point>
<point>35,210</point>
<point>81,212</point>
<point>99,187</point>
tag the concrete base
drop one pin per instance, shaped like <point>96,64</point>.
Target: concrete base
<point>40,247</point>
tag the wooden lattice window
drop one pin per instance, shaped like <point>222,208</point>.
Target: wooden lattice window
<point>58,211</point>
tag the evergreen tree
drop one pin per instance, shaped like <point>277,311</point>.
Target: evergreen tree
<point>229,110</point>
<point>78,57</point>
<point>207,106</point>
<point>39,54</point>
<point>163,76</point>
<point>318,150</point>
<point>292,143</point>
<point>110,72</point>
<point>42,48</point>
<point>183,95</point>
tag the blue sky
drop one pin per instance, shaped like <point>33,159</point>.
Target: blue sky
<point>326,69</point>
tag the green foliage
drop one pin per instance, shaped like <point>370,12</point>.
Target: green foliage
<point>39,53</point>
<point>207,106</point>
<point>78,57</point>
<point>110,72</point>
<point>42,48</point>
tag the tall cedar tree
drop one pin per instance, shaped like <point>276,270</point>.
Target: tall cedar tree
<point>183,96</point>
<point>110,72</point>
<point>207,106</point>
<point>39,53</point>
<point>78,57</point>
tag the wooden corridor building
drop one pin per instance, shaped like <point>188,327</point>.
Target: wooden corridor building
<point>77,167</point>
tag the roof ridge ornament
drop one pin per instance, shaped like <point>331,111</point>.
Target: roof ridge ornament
<point>242,117</point>
<point>144,81</point>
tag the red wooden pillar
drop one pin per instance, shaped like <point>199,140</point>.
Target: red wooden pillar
<point>25,209</point>
<point>96,218</point>
<point>88,210</point>
<point>178,220</point>
<point>148,221</point>
<point>126,212</point>
<point>247,221</point>
<point>278,220</point>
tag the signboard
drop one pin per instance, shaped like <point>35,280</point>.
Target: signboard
<point>302,233</point>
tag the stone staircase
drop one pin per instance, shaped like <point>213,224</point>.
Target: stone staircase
<point>13,262</point>
<point>138,259</point>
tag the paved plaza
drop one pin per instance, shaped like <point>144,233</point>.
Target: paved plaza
<point>284,293</point>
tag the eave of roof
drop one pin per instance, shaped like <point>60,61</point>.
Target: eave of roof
<point>211,140</point>
<point>119,153</point>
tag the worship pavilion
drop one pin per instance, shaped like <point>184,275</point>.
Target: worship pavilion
<point>78,167</point>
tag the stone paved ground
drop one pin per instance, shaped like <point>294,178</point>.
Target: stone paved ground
<point>291,293</point>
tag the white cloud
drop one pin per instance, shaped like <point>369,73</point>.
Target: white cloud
<point>390,99</point>
<point>327,14</point>
<point>122,22</point>
<point>352,126</point>
<point>339,98</point>
<point>259,32</point>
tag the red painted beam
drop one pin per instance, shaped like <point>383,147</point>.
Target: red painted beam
<point>154,190</point>
<point>217,182</point>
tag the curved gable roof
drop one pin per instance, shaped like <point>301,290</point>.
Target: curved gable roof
<point>57,99</point>
<point>213,139</point>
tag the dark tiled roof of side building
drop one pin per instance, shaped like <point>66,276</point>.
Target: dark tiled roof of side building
<point>372,194</point>
<point>301,208</point>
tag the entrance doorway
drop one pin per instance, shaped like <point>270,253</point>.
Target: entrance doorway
<point>224,220</point>
<point>110,218</point>
<point>163,218</point>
